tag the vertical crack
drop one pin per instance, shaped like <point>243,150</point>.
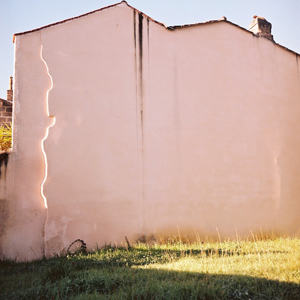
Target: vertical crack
<point>47,130</point>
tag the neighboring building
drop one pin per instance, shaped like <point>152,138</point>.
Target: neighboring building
<point>6,106</point>
<point>187,128</point>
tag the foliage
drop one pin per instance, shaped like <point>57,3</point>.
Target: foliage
<point>258,269</point>
<point>5,137</point>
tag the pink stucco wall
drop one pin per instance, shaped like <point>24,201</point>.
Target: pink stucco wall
<point>154,130</point>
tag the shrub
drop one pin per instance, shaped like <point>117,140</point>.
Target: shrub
<point>5,137</point>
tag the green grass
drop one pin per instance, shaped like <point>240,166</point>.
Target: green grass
<point>257,269</point>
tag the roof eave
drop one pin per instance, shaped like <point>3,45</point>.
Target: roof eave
<point>146,16</point>
<point>83,15</point>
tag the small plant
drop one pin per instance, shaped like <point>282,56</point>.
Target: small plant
<point>5,137</point>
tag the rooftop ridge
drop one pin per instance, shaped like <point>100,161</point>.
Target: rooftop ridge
<point>174,27</point>
<point>83,15</point>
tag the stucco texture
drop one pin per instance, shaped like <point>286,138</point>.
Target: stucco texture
<point>152,132</point>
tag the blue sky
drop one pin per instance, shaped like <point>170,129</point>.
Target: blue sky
<point>22,15</point>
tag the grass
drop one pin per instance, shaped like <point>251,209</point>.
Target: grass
<point>257,269</point>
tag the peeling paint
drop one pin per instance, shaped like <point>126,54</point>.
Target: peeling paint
<point>56,239</point>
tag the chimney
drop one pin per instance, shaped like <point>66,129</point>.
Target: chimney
<point>10,92</point>
<point>261,27</point>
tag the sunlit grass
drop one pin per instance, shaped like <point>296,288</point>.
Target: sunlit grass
<point>272,259</point>
<point>248,269</point>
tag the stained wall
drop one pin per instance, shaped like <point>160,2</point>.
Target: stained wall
<point>190,129</point>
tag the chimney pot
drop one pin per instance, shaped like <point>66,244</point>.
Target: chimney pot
<point>261,27</point>
<point>10,83</point>
<point>10,91</point>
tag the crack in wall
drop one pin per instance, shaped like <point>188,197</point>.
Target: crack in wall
<point>47,130</point>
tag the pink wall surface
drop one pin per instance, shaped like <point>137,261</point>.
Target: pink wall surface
<point>151,131</point>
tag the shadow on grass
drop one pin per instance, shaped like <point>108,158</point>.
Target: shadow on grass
<point>131,283</point>
<point>162,284</point>
<point>139,257</point>
<point>115,274</point>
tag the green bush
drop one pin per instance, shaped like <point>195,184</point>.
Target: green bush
<point>5,137</point>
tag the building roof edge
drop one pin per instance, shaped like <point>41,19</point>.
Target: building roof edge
<point>146,16</point>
